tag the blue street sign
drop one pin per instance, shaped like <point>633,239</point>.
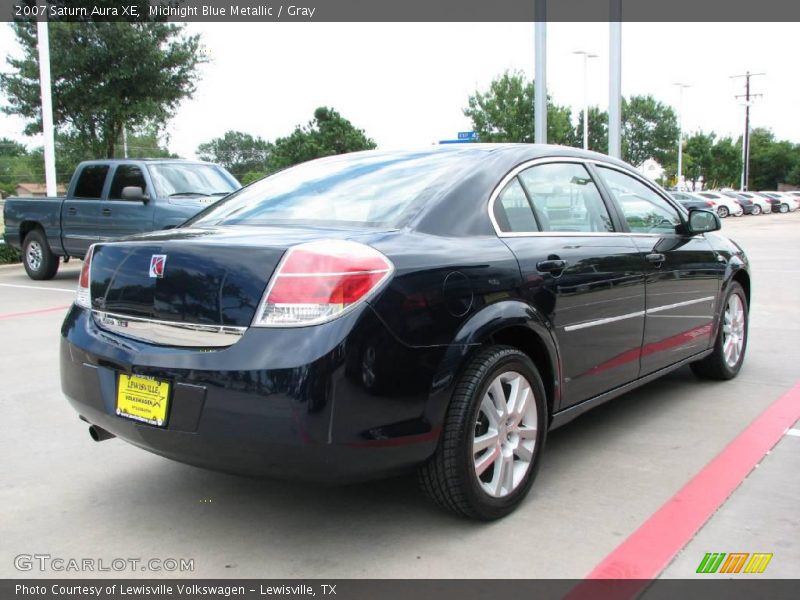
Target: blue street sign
<point>468,135</point>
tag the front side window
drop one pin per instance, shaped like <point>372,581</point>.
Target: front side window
<point>565,198</point>
<point>90,182</point>
<point>644,210</point>
<point>125,176</point>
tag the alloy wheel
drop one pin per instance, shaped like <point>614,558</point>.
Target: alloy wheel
<point>504,439</point>
<point>733,330</point>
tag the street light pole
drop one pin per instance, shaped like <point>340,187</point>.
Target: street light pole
<point>43,40</point>
<point>586,57</point>
<point>681,87</point>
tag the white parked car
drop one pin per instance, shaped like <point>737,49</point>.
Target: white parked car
<point>725,206</point>
<point>760,204</point>
<point>788,202</point>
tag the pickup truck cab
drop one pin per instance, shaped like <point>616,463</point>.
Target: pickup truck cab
<point>110,199</point>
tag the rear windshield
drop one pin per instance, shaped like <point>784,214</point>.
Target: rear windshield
<point>365,189</point>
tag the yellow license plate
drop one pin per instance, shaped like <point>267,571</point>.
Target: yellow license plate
<point>143,399</point>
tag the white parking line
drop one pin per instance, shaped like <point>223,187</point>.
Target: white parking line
<point>33,287</point>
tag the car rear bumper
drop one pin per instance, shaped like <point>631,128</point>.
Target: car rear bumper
<point>338,402</point>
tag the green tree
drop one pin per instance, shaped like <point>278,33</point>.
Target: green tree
<point>505,113</point>
<point>697,157</point>
<point>327,134</point>
<point>649,130</point>
<point>598,130</point>
<point>105,76</point>
<point>771,161</point>
<point>725,166</point>
<point>241,153</point>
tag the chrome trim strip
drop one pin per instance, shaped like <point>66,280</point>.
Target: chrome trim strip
<point>679,304</point>
<point>169,333</point>
<point>604,321</point>
<point>566,159</point>
<point>636,314</point>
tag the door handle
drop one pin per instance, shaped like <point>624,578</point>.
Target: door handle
<point>655,258</point>
<point>72,210</point>
<point>107,212</point>
<point>552,265</point>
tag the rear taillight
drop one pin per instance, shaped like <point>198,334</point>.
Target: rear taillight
<point>319,281</point>
<point>84,297</point>
<point>711,203</point>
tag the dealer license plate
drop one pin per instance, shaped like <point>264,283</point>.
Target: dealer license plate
<point>143,399</point>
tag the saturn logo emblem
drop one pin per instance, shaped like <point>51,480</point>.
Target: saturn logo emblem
<point>157,264</point>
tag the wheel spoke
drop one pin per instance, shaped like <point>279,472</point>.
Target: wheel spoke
<point>486,460</point>
<point>503,478</point>
<point>527,433</point>
<point>498,398</point>
<point>485,441</point>
<point>523,452</point>
<point>489,409</point>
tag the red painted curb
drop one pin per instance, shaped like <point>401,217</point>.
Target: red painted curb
<point>649,549</point>
<point>33,312</point>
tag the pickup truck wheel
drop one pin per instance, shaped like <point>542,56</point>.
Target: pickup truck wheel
<point>492,437</point>
<point>40,262</point>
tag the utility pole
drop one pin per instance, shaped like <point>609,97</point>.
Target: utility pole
<point>586,57</point>
<point>681,87</point>
<point>746,140</point>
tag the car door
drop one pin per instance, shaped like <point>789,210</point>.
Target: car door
<point>683,272</point>
<point>81,211</point>
<point>578,270</point>
<point>128,217</point>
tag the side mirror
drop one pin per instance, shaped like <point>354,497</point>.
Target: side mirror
<point>703,221</point>
<point>134,192</point>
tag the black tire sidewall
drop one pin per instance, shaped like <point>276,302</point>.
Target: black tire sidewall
<point>487,506</point>
<point>723,212</point>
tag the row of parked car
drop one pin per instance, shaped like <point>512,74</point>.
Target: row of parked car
<point>729,202</point>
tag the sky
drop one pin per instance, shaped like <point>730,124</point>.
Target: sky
<point>406,84</point>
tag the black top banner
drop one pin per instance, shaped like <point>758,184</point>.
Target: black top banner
<point>402,10</point>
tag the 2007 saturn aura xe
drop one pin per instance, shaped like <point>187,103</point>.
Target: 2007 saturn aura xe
<point>360,315</point>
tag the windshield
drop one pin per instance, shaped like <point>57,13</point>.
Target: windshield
<point>364,189</point>
<point>176,179</point>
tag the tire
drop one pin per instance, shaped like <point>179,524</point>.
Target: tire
<point>450,477</point>
<point>716,365</point>
<point>723,212</point>
<point>784,208</point>
<point>739,212</point>
<point>756,209</point>
<point>39,261</point>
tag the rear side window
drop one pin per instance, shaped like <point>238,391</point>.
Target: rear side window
<point>512,211</point>
<point>565,198</point>
<point>124,176</point>
<point>644,210</point>
<point>91,181</point>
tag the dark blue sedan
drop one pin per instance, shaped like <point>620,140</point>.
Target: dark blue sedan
<point>366,314</point>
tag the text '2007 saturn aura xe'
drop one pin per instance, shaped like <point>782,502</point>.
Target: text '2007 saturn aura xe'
<point>361,315</point>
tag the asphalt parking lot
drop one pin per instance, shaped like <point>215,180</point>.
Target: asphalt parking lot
<point>602,476</point>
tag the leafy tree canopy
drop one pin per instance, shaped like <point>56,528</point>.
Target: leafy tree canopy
<point>105,76</point>
<point>649,130</point>
<point>505,113</point>
<point>239,152</point>
<point>327,134</point>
